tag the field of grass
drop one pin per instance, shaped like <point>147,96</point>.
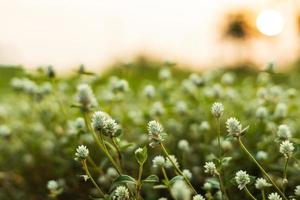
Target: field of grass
<point>147,130</point>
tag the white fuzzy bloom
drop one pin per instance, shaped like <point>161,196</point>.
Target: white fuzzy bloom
<point>181,191</point>
<point>157,109</point>
<point>196,79</point>
<point>280,111</point>
<point>207,186</point>
<point>242,179</point>
<point>4,130</point>
<point>297,190</point>
<point>284,132</point>
<point>180,107</point>
<point>286,148</point>
<point>86,97</point>
<point>204,126</point>
<point>155,133</point>
<point>262,113</point>
<point>184,145</point>
<point>217,109</point>
<point>104,124</point>
<point>82,153</point>
<point>261,183</point>
<point>149,91</point>
<point>228,78</point>
<point>169,164</point>
<point>158,161</point>
<point>198,197</point>
<point>261,155</point>
<point>121,193</point>
<point>210,168</point>
<point>112,172</point>
<point>233,126</point>
<point>52,185</point>
<point>187,173</point>
<point>274,196</point>
<point>164,74</point>
<point>162,198</point>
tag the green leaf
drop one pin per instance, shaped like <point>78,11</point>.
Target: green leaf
<point>124,179</point>
<point>151,179</point>
<point>160,187</point>
<point>176,178</point>
<point>226,160</point>
<point>141,155</point>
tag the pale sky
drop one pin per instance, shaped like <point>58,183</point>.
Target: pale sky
<point>66,33</point>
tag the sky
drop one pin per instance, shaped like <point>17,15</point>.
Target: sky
<point>96,33</point>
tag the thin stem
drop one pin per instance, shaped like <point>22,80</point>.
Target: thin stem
<point>90,176</point>
<point>263,194</point>
<point>261,168</point>
<point>101,145</point>
<point>222,187</point>
<point>139,185</point>
<point>285,168</point>
<point>117,150</point>
<point>165,175</point>
<point>58,99</point>
<point>177,169</point>
<point>220,175</point>
<point>219,137</point>
<point>249,193</point>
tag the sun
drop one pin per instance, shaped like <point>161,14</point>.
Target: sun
<point>270,22</point>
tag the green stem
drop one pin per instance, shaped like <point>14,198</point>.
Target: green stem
<point>177,169</point>
<point>249,193</point>
<point>101,145</point>
<point>90,176</point>
<point>58,99</point>
<point>263,194</point>
<point>165,175</point>
<point>261,168</point>
<point>139,184</point>
<point>222,187</point>
<point>117,150</point>
<point>285,168</point>
<point>219,137</point>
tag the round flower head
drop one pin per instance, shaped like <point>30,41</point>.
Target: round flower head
<point>227,78</point>
<point>52,185</point>
<point>180,107</point>
<point>111,127</point>
<point>261,155</point>
<point>210,168</point>
<point>81,153</point>
<point>280,111</point>
<point>164,74</point>
<point>261,113</point>
<point>155,133</point>
<point>196,79</point>
<point>217,109</point>
<point>284,132</point>
<point>274,196</point>
<point>184,145</point>
<point>171,161</point>
<point>121,193</point>
<point>286,148</point>
<point>242,179</point>
<point>157,109</point>
<point>234,127</point>
<point>180,190</point>
<point>198,197</point>
<point>204,126</point>
<point>149,91</point>
<point>297,190</point>
<point>4,130</point>
<point>120,85</point>
<point>162,198</point>
<point>158,161</point>
<point>86,97</point>
<point>261,183</point>
<point>207,186</point>
<point>187,173</point>
<point>99,120</point>
<point>112,172</point>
